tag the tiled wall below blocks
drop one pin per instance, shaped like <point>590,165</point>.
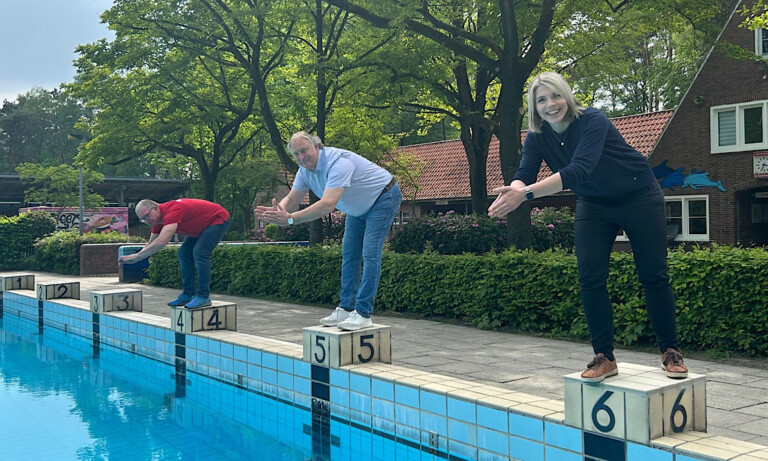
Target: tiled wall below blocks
<point>423,412</point>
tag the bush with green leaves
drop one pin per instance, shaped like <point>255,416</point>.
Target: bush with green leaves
<point>450,234</point>
<point>60,252</point>
<point>524,291</point>
<point>18,235</point>
<point>296,232</point>
<point>551,228</point>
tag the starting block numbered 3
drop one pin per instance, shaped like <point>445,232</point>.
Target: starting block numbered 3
<point>17,282</point>
<point>58,290</point>
<point>639,404</point>
<point>116,300</point>
<point>332,347</point>
<point>218,316</point>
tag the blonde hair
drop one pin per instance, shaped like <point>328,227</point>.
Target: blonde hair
<point>312,139</point>
<point>558,84</point>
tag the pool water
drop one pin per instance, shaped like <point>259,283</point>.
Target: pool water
<point>59,402</point>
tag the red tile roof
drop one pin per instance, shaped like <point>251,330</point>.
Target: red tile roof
<point>445,174</point>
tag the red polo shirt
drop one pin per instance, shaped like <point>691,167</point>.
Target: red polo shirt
<point>192,215</point>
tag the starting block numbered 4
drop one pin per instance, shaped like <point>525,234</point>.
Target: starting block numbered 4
<point>116,300</point>
<point>17,282</point>
<point>218,316</point>
<point>639,404</point>
<point>58,290</point>
<point>332,347</point>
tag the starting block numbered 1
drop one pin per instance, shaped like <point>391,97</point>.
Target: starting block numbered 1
<point>116,300</point>
<point>58,290</point>
<point>218,316</point>
<point>17,282</point>
<point>639,404</point>
<point>332,347</point>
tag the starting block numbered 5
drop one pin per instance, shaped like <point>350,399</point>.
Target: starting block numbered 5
<point>58,290</point>
<point>17,282</point>
<point>332,347</point>
<point>116,300</point>
<point>640,404</point>
<point>218,316</point>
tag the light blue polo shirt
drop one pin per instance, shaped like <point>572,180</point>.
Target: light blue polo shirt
<point>362,179</point>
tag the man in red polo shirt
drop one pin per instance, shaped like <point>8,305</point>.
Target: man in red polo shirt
<point>203,223</point>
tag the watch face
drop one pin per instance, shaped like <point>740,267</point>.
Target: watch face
<point>290,220</point>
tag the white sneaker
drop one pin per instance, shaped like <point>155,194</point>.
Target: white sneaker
<point>355,321</point>
<point>338,315</point>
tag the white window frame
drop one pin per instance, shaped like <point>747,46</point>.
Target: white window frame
<point>684,235</point>
<point>738,110</point>
<point>759,43</point>
<point>740,144</point>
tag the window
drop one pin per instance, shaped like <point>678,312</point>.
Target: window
<point>761,42</point>
<point>402,218</point>
<point>739,127</point>
<point>688,214</point>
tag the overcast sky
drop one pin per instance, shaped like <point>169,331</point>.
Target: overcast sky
<point>38,40</point>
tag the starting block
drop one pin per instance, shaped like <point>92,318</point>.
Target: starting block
<point>116,300</point>
<point>17,282</point>
<point>218,316</point>
<point>58,290</point>
<point>639,404</point>
<point>332,347</point>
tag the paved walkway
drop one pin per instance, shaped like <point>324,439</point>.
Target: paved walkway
<point>737,390</point>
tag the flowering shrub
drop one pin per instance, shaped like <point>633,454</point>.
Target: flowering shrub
<point>275,233</point>
<point>453,233</point>
<point>333,227</point>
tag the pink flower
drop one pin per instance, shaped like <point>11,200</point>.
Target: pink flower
<point>551,226</point>
<point>474,224</point>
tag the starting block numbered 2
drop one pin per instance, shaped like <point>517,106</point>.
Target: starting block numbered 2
<point>218,316</point>
<point>58,290</point>
<point>639,404</point>
<point>17,282</point>
<point>332,347</point>
<point>116,300</point>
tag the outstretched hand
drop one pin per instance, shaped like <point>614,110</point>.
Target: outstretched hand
<point>274,214</point>
<point>509,199</point>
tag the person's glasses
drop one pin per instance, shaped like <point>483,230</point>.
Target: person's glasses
<point>301,151</point>
<point>145,219</point>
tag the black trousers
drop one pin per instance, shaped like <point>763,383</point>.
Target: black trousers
<point>642,216</point>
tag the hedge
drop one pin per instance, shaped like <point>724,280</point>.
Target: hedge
<point>721,297</point>
<point>60,252</point>
<point>18,235</point>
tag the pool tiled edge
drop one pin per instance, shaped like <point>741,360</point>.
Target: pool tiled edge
<point>446,416</point>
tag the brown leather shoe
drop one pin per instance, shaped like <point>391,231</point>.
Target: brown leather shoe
<point>599,369</point>
<point>672,364</point>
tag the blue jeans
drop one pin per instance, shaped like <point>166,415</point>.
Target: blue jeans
<point>362,244</point>
<point>196,252</point>
<point>642,216</point>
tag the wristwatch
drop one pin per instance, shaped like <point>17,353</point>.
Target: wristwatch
<point>290,220</point>
<point>528,193</point>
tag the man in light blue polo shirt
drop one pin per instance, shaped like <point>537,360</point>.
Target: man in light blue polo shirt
<point>370,197</point>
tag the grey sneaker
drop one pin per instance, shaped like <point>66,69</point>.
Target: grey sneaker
<point>337,316</point>
<point>355,322</point>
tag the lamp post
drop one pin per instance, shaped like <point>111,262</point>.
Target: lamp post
<point>80,181</point>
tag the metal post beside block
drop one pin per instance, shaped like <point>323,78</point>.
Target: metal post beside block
<point>58,290</point>
<point>17,282</point>
<point>639,404</point>
<point>332,347</point>
<point>116,300</point>
<point>218,316</point>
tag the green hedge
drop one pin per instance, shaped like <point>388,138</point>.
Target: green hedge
<point>60,252</point>
<point>18,235</point>
<point>721,297</point>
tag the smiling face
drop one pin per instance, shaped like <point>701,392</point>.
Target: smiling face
<point>304,152</point>
<point>552,107</point>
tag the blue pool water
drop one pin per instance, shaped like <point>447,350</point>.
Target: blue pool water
<point>58,402</point>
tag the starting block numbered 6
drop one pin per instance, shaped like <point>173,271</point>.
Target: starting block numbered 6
<point>116,300</point>
<point>218,316</point>
<point>332,347</point>
<point>639,404</point>
<point>17,282</point>
<point>58,290</point>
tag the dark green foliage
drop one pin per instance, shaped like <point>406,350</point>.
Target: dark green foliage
<point>454,234</point>
<point>18,235</point>
<point>60,252</point>
<point>275,233</point>
<point>722,302</point>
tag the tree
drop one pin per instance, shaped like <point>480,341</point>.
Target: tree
<point>59,186</point>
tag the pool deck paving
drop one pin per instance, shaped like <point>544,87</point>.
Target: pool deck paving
<point>737,389</point>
